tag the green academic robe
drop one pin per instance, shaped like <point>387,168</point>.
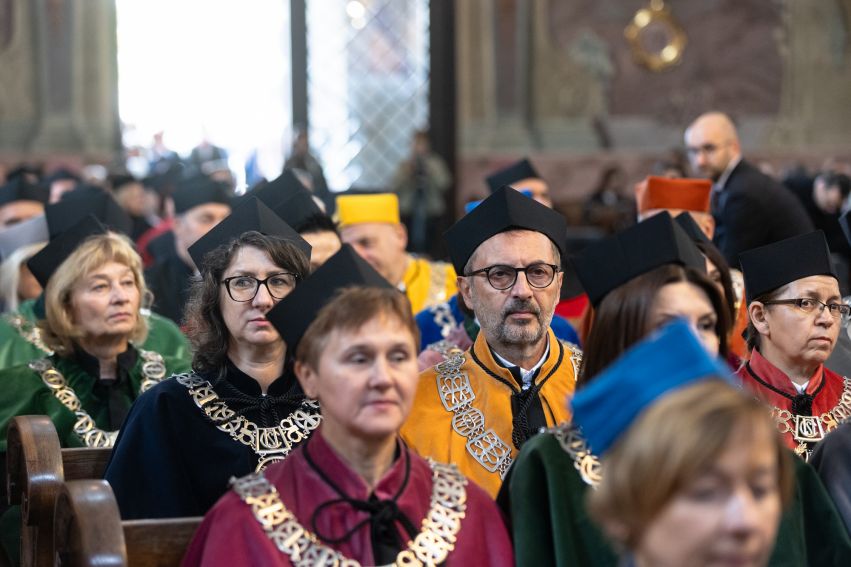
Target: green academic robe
<point>550,524</point>
<point>20,341</point>
<point>22,392</point>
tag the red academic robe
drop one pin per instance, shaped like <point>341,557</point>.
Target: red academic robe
<point>230,534</point>
<point>826,399</point>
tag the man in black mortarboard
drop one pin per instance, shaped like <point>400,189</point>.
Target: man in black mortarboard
<point>516,376</point>
<point>521,176</point>
<point>291,201</point>
<point>199,205</point>
<point>20,200</point>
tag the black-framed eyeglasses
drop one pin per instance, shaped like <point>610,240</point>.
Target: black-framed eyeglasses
<point>502,277</point>
<point>809,305</point>
<point>244,288</point>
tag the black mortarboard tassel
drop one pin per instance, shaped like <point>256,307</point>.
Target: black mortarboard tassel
<point>47,261</point>
<point>294,313</point>
<point>611,262</point>
<point>19,189</point>
<point>200,190</point>
<point>687,223</point>
<point>504,210</point>
<point>289,199</point>
<point>251,214</point>
<point>518,171</point>
<point>774,265</point>
<point>67,212</point>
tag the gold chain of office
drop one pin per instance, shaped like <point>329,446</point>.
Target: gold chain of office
<point>270,444</point>
<point>457,396</point>
<point>153,372</point>
<point>436,539</point>
<point>574,444</point>
<point>808,430</point>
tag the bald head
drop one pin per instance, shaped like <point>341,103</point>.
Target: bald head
<point>712,143</point>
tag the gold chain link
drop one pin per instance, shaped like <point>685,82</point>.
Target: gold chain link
<point>431,547</point>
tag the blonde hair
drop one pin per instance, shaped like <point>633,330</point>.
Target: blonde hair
<point>668,447</point>
<point>10,275</point>
<point>58,329</point>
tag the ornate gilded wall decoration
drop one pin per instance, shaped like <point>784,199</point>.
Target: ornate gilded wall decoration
<point>651,26</point>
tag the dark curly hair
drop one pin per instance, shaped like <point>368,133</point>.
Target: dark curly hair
<point>203,320</point>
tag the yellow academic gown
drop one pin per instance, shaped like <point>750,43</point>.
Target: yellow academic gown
<point>427,283</point>
<point>445,425</point>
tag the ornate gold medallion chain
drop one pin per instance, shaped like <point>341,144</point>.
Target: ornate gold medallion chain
<point>808,430</point>
<point>431,547</point>
<point>153,372</point>
<point>576,447</point>
<point>457,395</point>
<point>271,444</point>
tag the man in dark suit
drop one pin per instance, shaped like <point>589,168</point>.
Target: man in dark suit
<point>750,208</point>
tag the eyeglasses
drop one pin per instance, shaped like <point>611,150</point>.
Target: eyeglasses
<point>809,305</point>
<point>501,277</point>
<point>244,288</point>
<point>704,149</point>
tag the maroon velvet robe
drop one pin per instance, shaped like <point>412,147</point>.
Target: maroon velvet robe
<point>230,535</point>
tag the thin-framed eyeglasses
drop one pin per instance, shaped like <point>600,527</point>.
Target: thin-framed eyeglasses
<point>809,305</point>
<point>244,288</point>
<point>706,149</point>
<point>539,275</point>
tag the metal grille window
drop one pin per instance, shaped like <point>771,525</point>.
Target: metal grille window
<point>367,86</point>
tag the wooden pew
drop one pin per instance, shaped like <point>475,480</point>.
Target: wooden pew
<point>89,531</point>
<point>36,469</point>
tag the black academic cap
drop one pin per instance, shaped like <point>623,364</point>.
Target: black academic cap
<point>522,169</point>
<point>504,210</point>
<point>24,169</point>
<point>48,260</point>
<point>294,313</point>
<point>200,190</point>
<point>687,223</point>
<point>612,261</point>
<point>19,189</point>
<point>78,203</point>
<point>251,214</point>
<point>60,175</point>
<point>289,199</point>
<point>774,265</point>
<point>120,180</point>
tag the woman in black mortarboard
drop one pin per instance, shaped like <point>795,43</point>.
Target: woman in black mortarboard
<point>241,407</point>
<point>94,330</point>
<point>796,314</point>
<point>354,491</point>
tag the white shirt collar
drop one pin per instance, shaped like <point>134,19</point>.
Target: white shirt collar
<point>722,181</point>
<point>525,375</point>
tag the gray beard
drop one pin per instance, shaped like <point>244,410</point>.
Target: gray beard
<point>496,327</point>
